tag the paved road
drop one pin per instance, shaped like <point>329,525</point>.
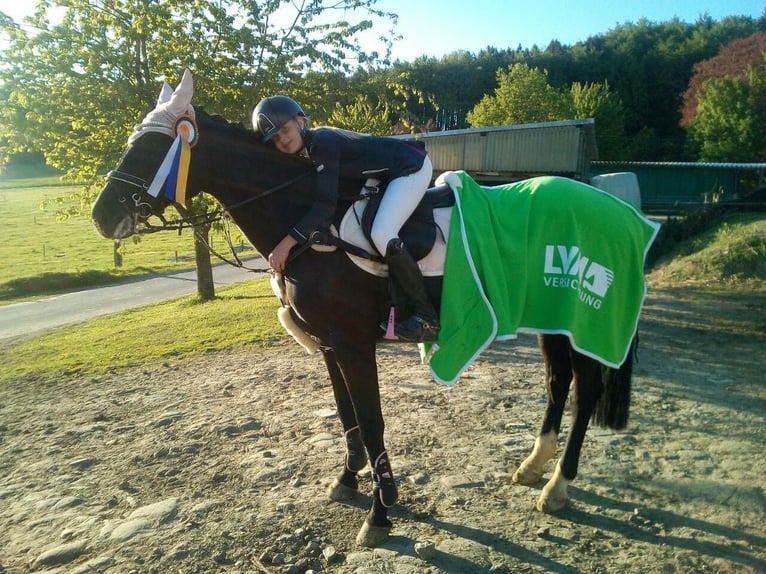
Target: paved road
<point>34,316</point>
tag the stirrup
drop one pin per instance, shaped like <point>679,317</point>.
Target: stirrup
<point>416,329</point>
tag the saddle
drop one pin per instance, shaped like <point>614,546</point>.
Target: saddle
<point>420,230</point>
<point>424,233</point>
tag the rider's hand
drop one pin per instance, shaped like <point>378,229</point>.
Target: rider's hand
<point>278,257</point>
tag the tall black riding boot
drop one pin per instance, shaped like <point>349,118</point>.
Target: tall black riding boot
<point>423,324</point>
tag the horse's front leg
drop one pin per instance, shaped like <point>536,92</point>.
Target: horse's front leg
<point>587,390</point>
<point>346,484</point>
<point>359,369</point>
<point>558,376</point>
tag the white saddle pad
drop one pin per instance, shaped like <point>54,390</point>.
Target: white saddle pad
<point>432,265</point>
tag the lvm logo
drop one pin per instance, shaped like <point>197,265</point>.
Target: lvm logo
<point>567,268</point>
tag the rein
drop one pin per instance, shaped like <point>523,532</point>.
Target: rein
<point>208,218</point>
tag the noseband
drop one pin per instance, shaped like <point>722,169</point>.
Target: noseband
<point>144,210</point>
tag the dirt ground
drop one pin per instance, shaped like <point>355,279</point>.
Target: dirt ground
<point>221,463</point>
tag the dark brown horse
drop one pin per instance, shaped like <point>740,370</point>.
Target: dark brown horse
<point>331,298</point>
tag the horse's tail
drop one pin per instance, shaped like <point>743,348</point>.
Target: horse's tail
<point>613,407</point>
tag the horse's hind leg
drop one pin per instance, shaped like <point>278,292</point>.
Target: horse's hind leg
<point>558,376</point>
<point>587,390</point>
<point>346,485</point>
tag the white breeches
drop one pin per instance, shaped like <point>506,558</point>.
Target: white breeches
<point>399,201</point>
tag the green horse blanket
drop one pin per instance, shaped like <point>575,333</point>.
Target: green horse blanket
<point>544,255</point>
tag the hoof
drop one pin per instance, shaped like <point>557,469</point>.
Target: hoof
<point>554,495</point>
<point>339,491</point>
<point>525,475</point>
<point>550,504</point>
<point>372,536</point>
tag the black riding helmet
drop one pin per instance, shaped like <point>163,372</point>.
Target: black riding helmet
<point>272,113</point>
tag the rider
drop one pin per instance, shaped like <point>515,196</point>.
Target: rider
<point>404,165</point>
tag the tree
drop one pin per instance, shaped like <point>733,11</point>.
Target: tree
<point>523,95</point>
<point>361,116</point>
<point>733,60</point>
<point>725,103</point>
<point>730,119</point>
<point>598,101</point>
<point>75,88</point>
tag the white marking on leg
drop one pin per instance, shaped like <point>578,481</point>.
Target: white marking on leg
<point>531,470</point>
<point>554,496</point>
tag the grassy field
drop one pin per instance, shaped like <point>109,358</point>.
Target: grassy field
<point>245,313</point>
<point>40,254</point>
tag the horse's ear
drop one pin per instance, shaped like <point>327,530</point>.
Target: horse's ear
<point>181,99</point>
<point>165,93</point>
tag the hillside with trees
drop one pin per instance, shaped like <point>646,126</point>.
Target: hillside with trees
<point>664,91</point>
<point>647,65</point>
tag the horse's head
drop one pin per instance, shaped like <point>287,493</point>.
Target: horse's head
<point>231,163</point>
<point>152,172</point>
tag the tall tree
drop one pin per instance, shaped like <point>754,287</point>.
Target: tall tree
<point>725,103</point>
<point>79,84</point>
<point>598,101</point>
<point>733,60</point>
<point>730,118</point>
<point>523,95</point>
<point>75,87</point>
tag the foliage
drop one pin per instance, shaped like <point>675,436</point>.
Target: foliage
<point>360,116</point>
<point>598,101</point>
<point>730,115</point>
<point>649,65</point>
<point>725,103</point>
<point>646,64</point>
<point>446,89</point>
<point>732,61</point>
<point>730,120</point>
<point>523,96</point>
<point>74,89</point>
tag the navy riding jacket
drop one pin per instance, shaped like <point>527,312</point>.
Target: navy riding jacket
<point>349,155</point>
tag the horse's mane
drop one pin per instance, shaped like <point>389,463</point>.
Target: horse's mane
<point>220,123</point>
<point>243,136</point>
<point>236,166</point>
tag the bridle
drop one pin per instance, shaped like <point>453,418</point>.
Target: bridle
<point>187,219</point>
<point>144,210</point>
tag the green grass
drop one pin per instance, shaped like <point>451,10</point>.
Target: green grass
<point>241,314</point>
<point>730,254</point>
<point>41,255</point>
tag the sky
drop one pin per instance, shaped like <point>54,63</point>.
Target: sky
<point>439,27</point>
